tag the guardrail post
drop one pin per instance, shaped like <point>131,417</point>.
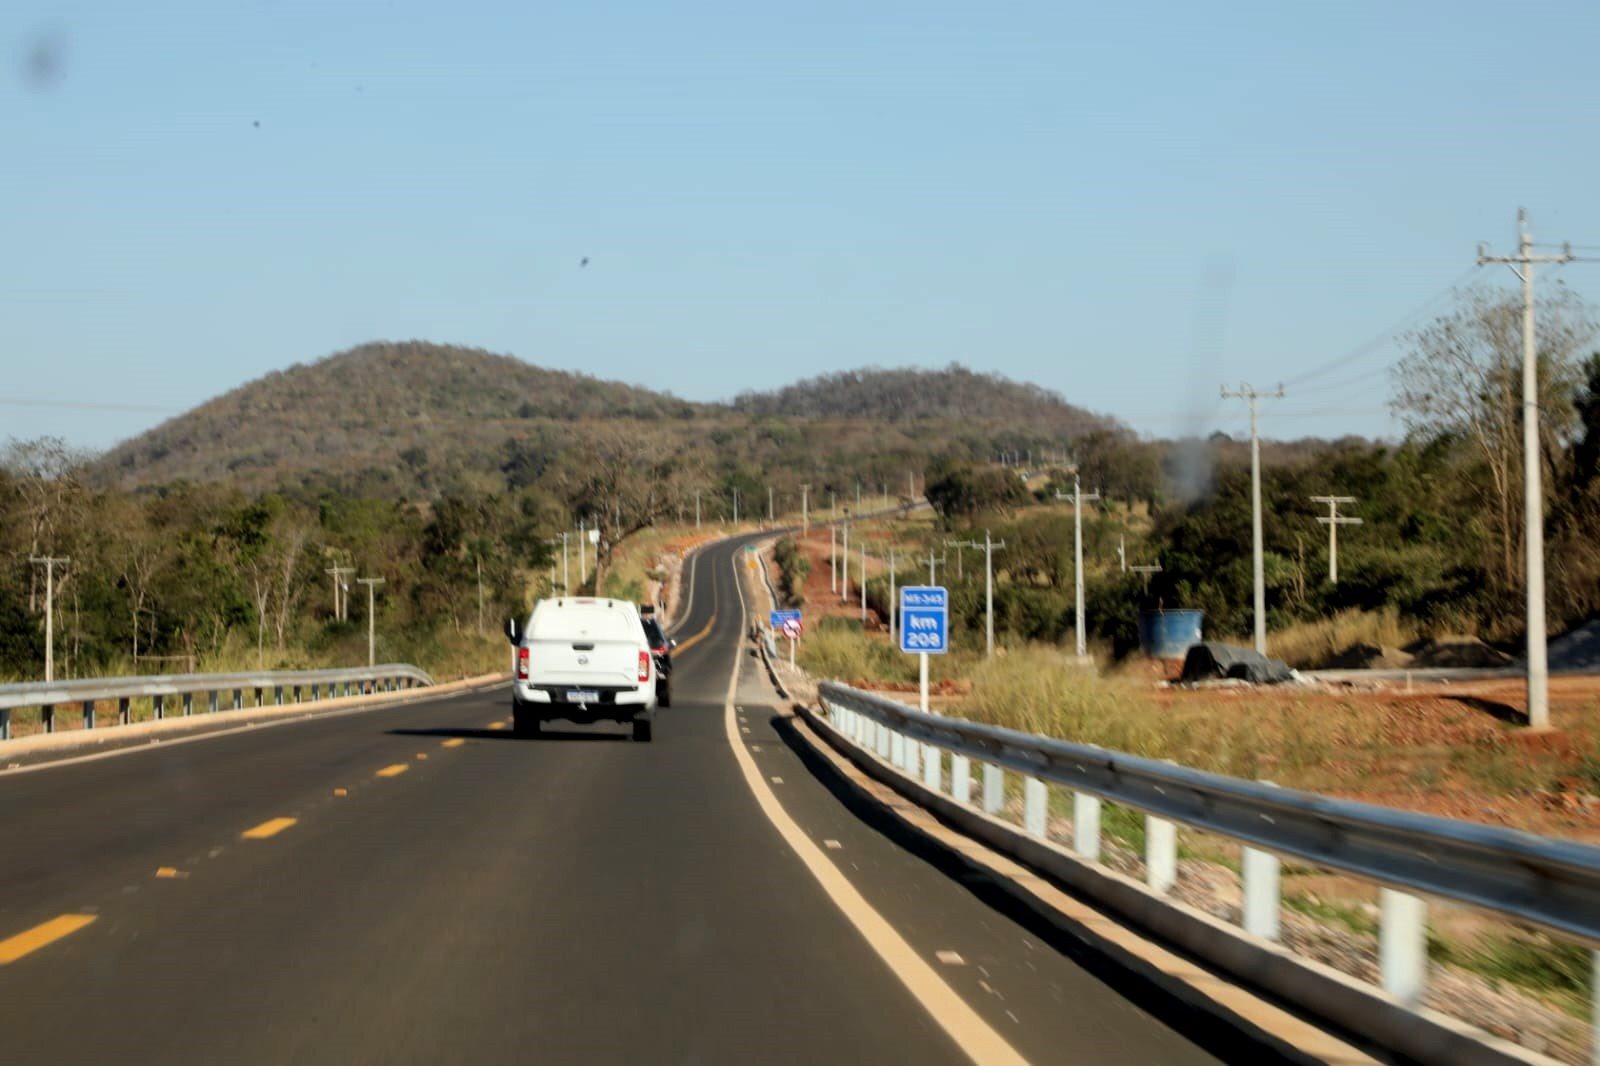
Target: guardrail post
<point>994,789</point>
<point>277,695</point>
<point>88,714</point>
<point>1403,945</point>
<point>913,756</point>
<point>123,714</point>
<point>158,706</point>
<point>314,687</point>
<point>47,715</point>
<point>1086,825</point>
<point>296,690</point>
<point>1035,806</point>
<point>238,699</point>
<point>1160,854</point>
<point>897,748</point>
<point>961,778</point>
<point>1260,893</point>
<point>5,723</point>
<point>211,701</point>
<point>188,704</point>
<point>932,766</point>
<point>258,697</point>
<point>883,741</point>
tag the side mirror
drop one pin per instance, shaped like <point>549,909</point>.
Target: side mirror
<point>672,643</point>
<point>513,631</point>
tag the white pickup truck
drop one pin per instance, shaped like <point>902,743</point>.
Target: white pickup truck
<point>584,660</point>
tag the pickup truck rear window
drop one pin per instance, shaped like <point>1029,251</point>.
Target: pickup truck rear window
<point>602,623</point>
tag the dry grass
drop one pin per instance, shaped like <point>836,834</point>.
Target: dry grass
<point>1037,689</point>
<point>1312,644</point>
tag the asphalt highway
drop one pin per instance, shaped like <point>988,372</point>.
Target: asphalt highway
<point>414,884</point>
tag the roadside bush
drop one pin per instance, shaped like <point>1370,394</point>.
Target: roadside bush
<point>794,567</point>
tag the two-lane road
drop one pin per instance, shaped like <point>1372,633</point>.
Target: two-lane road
<point>415,884</point>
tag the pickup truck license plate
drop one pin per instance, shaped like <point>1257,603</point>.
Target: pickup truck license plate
<point>578,695</point>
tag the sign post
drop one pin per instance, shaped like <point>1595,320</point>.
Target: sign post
<point>924,626</point>
<point>789,624</point>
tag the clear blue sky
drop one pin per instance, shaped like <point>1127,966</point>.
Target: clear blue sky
<point>1127,203</point>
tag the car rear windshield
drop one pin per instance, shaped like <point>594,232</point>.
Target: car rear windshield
<point>653,634</point>
<point>601,623</point>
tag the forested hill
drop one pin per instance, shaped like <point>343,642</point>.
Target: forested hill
<point>910,393</point>
<point>367,406</point>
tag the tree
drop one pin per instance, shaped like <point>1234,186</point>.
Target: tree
<point>1463,378</point>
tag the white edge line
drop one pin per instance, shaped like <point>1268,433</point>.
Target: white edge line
<point>975,1037</point>
<point>161,744</point>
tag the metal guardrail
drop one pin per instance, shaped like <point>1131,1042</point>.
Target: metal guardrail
<point>87,692</point>
<point>1548,883</point>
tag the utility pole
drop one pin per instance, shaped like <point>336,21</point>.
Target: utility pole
<point>989,545</point>
<point>1258,566</point>
<point>771,515</point>
<point>1146,571</point>
<point>478,559</point>
<point>341,592</point>
<point>805,508</point>
<point>894,607</point>
<point>911,484</point>
<point>858,497</point>
<point>833,557</point>
<point>697,509</point>
<point>1533,491</point>
<point>49,562</point>
<point>844,560</point>
<point>932,568</point>
<point>1333,521</point>
<point>372,583</point>
<point>583,562</point>
<point>863,583</point>
<point>735,506</point>
<point>1122,552</point>
<point>1077,556</point>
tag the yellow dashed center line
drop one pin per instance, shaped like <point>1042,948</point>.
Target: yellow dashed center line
<point>269,828</point>
<point>497,725</point>
<point>394,770</point>
<point>453,742</point>
<point>690,642</point>
<point>31,940</point>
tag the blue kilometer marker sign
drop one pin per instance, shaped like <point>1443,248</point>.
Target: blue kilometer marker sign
<point>925,619</point>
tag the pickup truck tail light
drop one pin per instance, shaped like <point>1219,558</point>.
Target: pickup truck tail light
<point>522,664</point>
<point>644,667</point>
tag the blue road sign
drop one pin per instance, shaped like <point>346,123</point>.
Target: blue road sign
<point>778,618</point>
<point>925,619</point>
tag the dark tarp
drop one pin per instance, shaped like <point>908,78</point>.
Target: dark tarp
<point>1208,661</point>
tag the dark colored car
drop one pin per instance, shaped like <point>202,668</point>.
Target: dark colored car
<point>661,649</point>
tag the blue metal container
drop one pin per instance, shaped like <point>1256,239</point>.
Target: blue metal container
<point>1168,634</point>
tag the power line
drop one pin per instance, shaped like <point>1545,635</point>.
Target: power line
<point>1371,345</point>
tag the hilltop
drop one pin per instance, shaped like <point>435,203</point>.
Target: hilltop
<point>376,405</point>
<point>408,419</point>
<point>910,393</point>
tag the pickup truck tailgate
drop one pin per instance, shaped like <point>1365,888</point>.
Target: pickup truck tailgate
<point>583,663</point>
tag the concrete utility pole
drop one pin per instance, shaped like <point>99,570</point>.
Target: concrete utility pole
<point>583,562</point>
<point>697,510</point>
<point>844,560</point>
<point>1077,557</point>
<point>49,562</point>
<point>833,558</point>
<point>372,583</point>
<point>805,508</point>
<point>894,608</point>
<point>911,479</point>
<point>858,497</point>
<point>1122,552</point>
<point>735,506</point>
<point>341,592</point>
<point>1258,566</point>
<point>988,546</point>
<point>771,515</point>
<point>863,583</point>
<point>1533,490</point>
<point>1333,521</point>
<point>1146,571</point>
